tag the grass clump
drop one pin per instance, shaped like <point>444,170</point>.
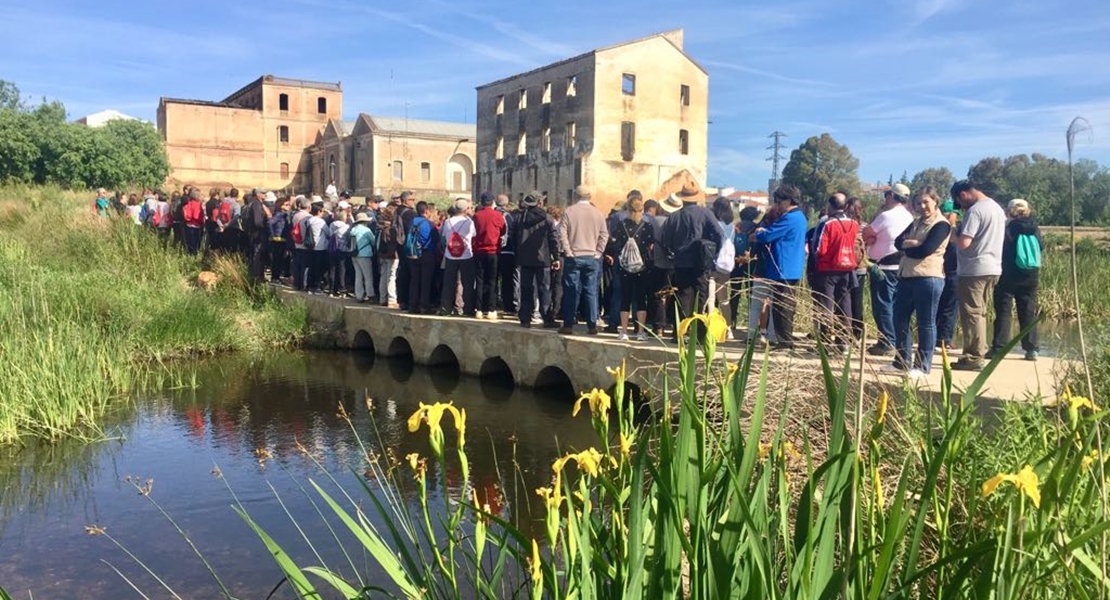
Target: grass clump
<point>90,307</point>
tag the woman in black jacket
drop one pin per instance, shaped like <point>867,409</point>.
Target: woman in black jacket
<point>1019,281</point>
<point>634,283</point>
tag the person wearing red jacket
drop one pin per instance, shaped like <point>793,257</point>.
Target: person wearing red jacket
<point>489,228</point>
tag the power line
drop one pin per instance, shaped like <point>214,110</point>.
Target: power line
<point>777,156</point>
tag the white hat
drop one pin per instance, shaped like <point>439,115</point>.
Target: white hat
<point>344,204</point>
<point>271,197</point>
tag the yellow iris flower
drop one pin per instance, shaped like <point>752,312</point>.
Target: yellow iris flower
<point>618,373</point>
<point>714,322</point>
<point>587,460</point>
<point>1025,480</point>
<point>432,414</point>
<point>880,411</point>
<point>599,402</point>
<point>626,445</point>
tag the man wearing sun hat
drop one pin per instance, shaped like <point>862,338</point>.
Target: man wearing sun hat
<point>879,236</point>
<point>692,236</point>
<point>662,270</point>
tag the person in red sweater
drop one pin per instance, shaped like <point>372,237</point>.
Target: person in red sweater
<point>489,227</point>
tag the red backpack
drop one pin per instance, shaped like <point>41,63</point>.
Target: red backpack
<point>194,213</point>
<point>836,250</point>
<point>298,232</point>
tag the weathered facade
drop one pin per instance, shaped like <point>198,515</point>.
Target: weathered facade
<point>630,116</point>
<point>256,136</point>
<point>385,155</point>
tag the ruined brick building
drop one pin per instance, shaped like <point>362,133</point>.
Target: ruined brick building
<point>633,115</point>
<point>289,134</point>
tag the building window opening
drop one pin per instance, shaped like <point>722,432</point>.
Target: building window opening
<point>572,135</point>
<point>522,144</point>
<point>628,140</point>
<point>547,92</point>
<point>398,171</point>
<point>500,148</point>
<point>283,102</point>
<point>684,95</point>
<point>322,105</point>
<point>628,84</point>
<point>547,139</point>
<point>523,104</point>
<point>425,172</point>
<point>284,170</point>
<point>572,86</point>
<point>500,106</point>
<point>683,141</point>
<point>283,134</point>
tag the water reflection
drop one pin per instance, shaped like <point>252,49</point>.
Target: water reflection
<point>257,423</point>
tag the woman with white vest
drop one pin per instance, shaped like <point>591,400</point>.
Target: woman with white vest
<point>921,280</point>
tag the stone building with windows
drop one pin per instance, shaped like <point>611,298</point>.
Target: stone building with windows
<point>256,136</point>
<point>629,116</point>
<point>288,134</point>
<point>385,155</point>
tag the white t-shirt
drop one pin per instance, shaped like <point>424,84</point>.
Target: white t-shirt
<point>887,226</point>
<point>464,226</point>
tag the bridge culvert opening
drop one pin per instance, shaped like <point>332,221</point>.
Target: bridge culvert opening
<point>443,357</point>
<point>553,383</point>
<point>495,374</point>
<point>639,399</point>
<point>443,367</point>
<point>362,341</point>
<point>399,348</point>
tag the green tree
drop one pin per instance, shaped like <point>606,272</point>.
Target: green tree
<point>19,151</point>
<point>904,179</point>
<point>10,97</point>
<point>939,177</point>
<point>987,174</point>
<point>819,167</point>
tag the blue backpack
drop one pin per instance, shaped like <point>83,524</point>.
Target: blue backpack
<point>413,249</point>
<point>1027,255</point>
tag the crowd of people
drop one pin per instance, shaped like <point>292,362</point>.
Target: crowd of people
<point>925,259</point>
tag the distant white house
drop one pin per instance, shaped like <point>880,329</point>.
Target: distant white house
<point>102,117</point>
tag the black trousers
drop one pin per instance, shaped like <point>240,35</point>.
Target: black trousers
<point>555,284</point>
<point>834,290</point>
<point>486,273</point>
<point>301,260</point>
<point>784,303</point>
<point>1024,295</point>
<point>421,272</point>
<point>317,266</point>
<point>946,311</point>
<point>510,282</point>
<point>257,256</point>
<point>857,305</point>
<point>404,276</point>
<point>279,259</point>
<point>535,284</point>
<point>455,271</point>
<point>661,304</point>
<point>693,290</point>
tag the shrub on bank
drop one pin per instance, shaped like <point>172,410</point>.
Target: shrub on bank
<point>89,306</point>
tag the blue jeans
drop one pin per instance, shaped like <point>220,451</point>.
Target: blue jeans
<point>882,306</point>
<point>946,311</point>
<point>920,295</point>
<point>580,275</point>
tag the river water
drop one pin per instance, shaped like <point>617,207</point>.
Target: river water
<point>246,428</point>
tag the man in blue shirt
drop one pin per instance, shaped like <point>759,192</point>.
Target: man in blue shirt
<point>422,268</point>
<point>786,239</point>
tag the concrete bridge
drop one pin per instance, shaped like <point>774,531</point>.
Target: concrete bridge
<point>540,358</point>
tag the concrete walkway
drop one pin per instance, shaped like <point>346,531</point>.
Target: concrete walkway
<point>534,355</point>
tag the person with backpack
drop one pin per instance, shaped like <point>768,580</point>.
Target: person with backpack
<point>177,216</point>
<point>363,239</point>
<point>101,204</point>
<point>278,227</point>
<point>402,223</point>
<point>301,256</point>
<point>835,260</point>
<point>629,250</point>
<point>1021,267</point>
<point>693,237</point>
<point>536,241</point>
<point>388,251</point>
<point>420,253</point>
<point>316,241</point>
<point>193,215</point>
<point>720,278</point>
<point>230,213</point>
<point>338,252</point>
<point>979,240</point>
<point>489,228</point>
<point>920,281</point>
<point>253,223</point>
<point>213,227</point>
<point>507,272</point>
<point>949,305</point>
<point>457,236</point>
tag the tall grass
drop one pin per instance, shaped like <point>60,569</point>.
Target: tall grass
<point>863,506</point>
<point>91,308</point>
<point>1055,298</point>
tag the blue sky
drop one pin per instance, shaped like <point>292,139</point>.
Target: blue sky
<point>906,85</point>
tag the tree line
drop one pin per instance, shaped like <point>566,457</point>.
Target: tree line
<point>38,145</point>
<point>821,165</point>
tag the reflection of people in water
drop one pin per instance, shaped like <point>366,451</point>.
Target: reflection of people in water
<point>194,416</point>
